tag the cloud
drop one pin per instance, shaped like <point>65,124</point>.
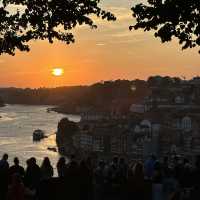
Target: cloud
<point>100,44</point>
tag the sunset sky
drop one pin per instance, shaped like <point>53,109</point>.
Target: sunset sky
<point>107,53</point>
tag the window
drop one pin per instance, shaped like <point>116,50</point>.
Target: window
<point>186,123</point>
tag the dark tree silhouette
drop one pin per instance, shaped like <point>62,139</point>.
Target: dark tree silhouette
<point>45,19</point>
<point>170,18</point>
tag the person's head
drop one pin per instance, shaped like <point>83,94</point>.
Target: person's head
<point>72,157</point>
<point>138,170</point>
<point>197,162</point>
<point>16,161</point>
<point>157,166</point>
<point>185,161</point>
<point>153,157</point>
<point>83,164</point>
<point>5,156</point>
<point>61,161</point>
<point>121,161</point>
<point>115,160</point>
<point>101,164</point>
<point>32,161</point>
<point>46,162</point>
<point>89,161</point>
<point>165,160</point>
<point>176,160</point>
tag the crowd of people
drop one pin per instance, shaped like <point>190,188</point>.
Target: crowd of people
<point>175,179</point>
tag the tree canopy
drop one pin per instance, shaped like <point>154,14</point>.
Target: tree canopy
<point>170,18</point>
<point>45,19</point>
<point>55,19</point>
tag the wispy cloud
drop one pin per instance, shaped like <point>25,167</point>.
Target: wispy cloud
<point>100,44</point>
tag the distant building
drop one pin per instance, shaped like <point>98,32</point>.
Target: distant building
<point>94,116</point>
<point>137,108</point>
<point>83,140</point>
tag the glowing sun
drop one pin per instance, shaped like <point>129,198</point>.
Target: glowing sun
<point>57,72</point>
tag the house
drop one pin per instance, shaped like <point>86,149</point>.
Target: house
<point>119,143</point>
<point>179,100</point>
<point>137,108</point>
<point>83,140</point>
<point>92,115</point>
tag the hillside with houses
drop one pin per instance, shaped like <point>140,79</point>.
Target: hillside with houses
<point>165,121</point>
<point>100,97</point>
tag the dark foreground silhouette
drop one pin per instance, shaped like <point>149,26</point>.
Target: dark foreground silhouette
<point>171,179</point>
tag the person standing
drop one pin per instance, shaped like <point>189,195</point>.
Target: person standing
<point>4,171</point>
<point>46,169</point>
<point>16,169</point>
<point>33,174</point>
<point>61,167</point>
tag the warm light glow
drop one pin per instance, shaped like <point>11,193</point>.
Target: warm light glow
<point>57,71</point>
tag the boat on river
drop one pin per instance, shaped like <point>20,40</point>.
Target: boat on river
<point>38,135</point>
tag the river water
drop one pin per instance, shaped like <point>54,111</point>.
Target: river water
<point>17,124</point>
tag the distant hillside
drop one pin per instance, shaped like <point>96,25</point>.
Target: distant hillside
<point>103,96</point>
<point>1,102</point>
<point>100,96</point>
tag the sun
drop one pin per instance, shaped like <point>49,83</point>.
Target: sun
<point>57,72</point>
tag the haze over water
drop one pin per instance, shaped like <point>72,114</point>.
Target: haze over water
<point>16,128</point>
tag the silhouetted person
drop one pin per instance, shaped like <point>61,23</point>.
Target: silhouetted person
<point>137,188</point>
<point>170,184</point>
<point>123,173</point>
<point>46,169</point>
<point>100,180</point>
<point>33,174</point>
<point>16,190</point>
<point>178,168</point>
<point>196,179</point>
<point>16,169</point>
<point>48,186</point>
<point>149,166</point>
<point>4,172</point>
<point>113,177</point>
<point>123,170</point>
<point>165,166</point>
<point>85,178</point>
<point>89,163</point>
<point>61,167</point>
<point>157,181</point>
<point>72,179</point>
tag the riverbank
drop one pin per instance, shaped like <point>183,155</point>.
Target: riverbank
<point>16,128</point>
<point>62,110</point>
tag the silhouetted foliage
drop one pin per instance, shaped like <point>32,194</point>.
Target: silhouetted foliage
<point>170,18</point>
<point>163,81</point>
<point>45,19</point>
<point>65,130</point>
<point>66,126</point>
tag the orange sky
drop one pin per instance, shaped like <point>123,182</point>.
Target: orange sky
<point>110,52</point>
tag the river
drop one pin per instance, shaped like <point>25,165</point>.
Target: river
<point>17,124</point>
